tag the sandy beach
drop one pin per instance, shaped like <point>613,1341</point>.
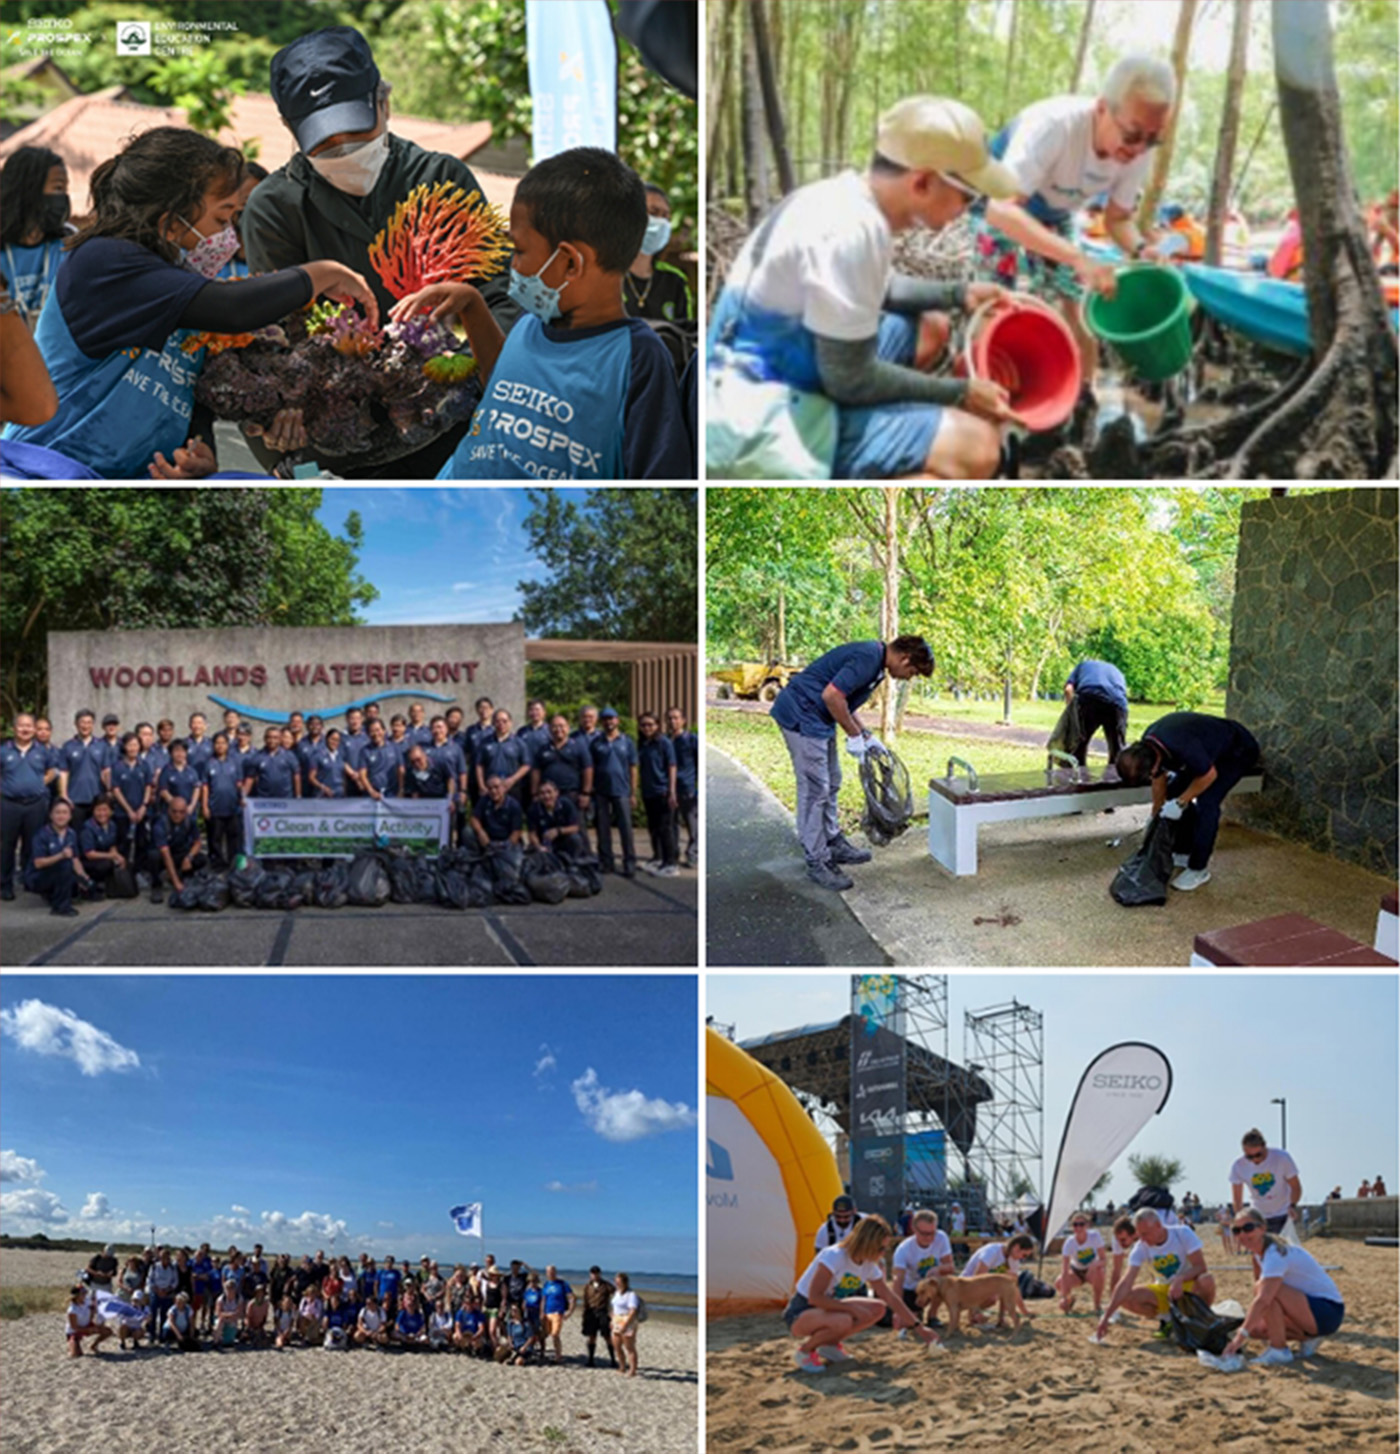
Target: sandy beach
<point>1047,1388</point>
<point>256,1399</point>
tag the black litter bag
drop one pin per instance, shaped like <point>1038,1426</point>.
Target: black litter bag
<point>452,889</point>
<point>1196,1328</point>
<point>481,891</point>
<point>333,886</point>
<point>243,884</point>
<point>122,883</point>
<point>1151,1198</point>
<point>304,885</point>
<point>185,898</point>
<point>506,864</point>
<point>1067,736</point>
<point>403,878</point>
<point>585,876</point>
<point>545,877</point>
<point>1143,878</point>
<point>275,889</point>
<point>889,798</point>
<point>1030,1286</point>
<point>369,878</point>
<point>213,894</point>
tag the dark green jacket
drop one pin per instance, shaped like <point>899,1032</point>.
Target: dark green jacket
<point>296,216</point>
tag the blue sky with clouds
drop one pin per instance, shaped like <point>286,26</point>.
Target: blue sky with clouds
<point>287,1109</point>
<point>440,556</point>
<point>1327,1043</point>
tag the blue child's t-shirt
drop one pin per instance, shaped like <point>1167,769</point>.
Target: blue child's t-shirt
<point>577,404</point>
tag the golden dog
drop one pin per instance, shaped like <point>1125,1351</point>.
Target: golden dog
<point>971,1293</point>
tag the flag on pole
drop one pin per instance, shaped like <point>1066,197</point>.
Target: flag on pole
<point>572,54</point>
<point>467,1219</point>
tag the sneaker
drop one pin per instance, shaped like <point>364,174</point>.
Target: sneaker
<point>1308,1347</point>
<point>668,870</point>
<point>653,867</point>
<point>1180,860</point>
<point>1164,1331</point>
<point>828,876</point>
<point>1191,878</point>
<point>1271,1356</point>
<point>157,895</point>
<point>1117,1317</point>
<point>69,913</point>
<point>836,1353</point>
<point>841,850</point>
<point>808,1362</point>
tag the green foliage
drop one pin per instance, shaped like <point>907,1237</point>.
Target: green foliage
<point>202,86</point>
<point>1156,1170</point>
<point>106,560</point>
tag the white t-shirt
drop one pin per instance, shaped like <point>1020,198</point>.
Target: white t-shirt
<point>1051,150</point>
<point>848,1278</point>
<point>81,1313</point>
<point>622,1304</point>
<point>959,1221</point>
<point>988,1258</point>
<point>826,262</point>
<point>916,1262</point>
<point>371,1319</point>
<point>1299,1270</point>
<point>1266,1182</point>
<point>1171,1257</point>
<point>827,1237</point>
<point>1083,1255</point>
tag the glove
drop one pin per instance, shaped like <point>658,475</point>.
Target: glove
<point>859,746</point>
<point>1172,810</point>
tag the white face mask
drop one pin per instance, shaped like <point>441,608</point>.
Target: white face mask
<point>355,167</point>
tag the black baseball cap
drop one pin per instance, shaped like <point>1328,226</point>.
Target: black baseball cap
<point>325,82</point>
<point>843,1204</point>
<point>111,720</point>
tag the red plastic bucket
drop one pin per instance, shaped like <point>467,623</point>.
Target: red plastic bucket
<point>1027,348</point>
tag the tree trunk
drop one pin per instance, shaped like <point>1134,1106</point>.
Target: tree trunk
<point>756,196</point>
<point>733,104</point>
<point>721,49</point>
<point>772,104</point>
<point>1081,54</point>
<point>1229,134</point>
<point>782,624</point>
<point>1181,50</point>
<point>1011,58</point>
<point>889,610</point>
<point>1006,685</point>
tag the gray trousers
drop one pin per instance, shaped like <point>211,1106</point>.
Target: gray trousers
<point>816,763</point>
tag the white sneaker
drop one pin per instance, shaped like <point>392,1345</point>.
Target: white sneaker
<point>654,867</point>
<point>1180,860</point>
<point>1191,878</point>
<point>903,1334</point>
<point>1308,1347</point>
<point>1271,1356</point>
<point>835,1353</point>
<point>1117,1317</point>
<point>808,1362</point>
<point>668,870</point>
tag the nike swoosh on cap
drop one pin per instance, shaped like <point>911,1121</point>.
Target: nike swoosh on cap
<point>322,91</point>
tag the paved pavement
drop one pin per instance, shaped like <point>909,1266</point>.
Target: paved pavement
<point>761,908</point>
<point>644,921</point>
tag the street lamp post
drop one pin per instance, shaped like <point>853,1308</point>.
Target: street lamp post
<point>1282,1103</point>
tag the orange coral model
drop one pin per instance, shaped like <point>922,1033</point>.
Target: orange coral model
<point>439,234</point>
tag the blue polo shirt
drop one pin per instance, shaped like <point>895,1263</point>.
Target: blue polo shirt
<point>198,753</point>
<point>564,766</point>
<point>274,774</point>
<point>381,766</point>
<point>1194,742</point>
<point>48,841</point>
<point>222,777</point>
<point>499,822</point>
<point>474,736</point>
<point>1100,679</point>
<point>132,780</point>
<point>22,772</point>
<point>450,757</point>
<point>307,749</point>
<point>500,757</point>
<point>330,771</point>
<point>556,1295</point>
<point>656,757</point>
<point>419,736</point>
<point>535,738</point>
<point>157,758</point>
<point>96,839</point>
<point>179,782</point>
<point>855,669</point>
<point>353,745</point>
<point>83,762</point>
<point>179,838</point>
<point>565,815</point>
<point>612,764</point>
<point>687,746</point>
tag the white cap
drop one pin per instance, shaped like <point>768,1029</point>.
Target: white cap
<point>934,133</point>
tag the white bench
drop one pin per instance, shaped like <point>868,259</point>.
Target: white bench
<point>958,806</point>
<point>1388,928</point>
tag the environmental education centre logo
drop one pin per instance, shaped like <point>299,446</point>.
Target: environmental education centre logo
<point>133,37</point>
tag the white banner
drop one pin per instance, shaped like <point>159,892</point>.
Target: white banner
<point>340,827</point>
<point>750,1233</point>
<point>1120,1092</point>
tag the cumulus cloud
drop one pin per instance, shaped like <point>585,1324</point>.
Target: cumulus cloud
<point>627,1115</point>
<point>545,1063</point>
<point>19,1168</point>
<point>33,1204</point>
<point>308,1224</point>
<point>48,1030</point>
<point>96,1206</point>
<point>240,1211</point>
<point>577,1188</point>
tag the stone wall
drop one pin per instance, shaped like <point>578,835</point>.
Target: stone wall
<point>1363,1216</point>
<point>1313,669</point>
<point>270,671</point>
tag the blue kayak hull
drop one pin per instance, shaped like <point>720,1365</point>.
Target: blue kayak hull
<point>1272,312</point>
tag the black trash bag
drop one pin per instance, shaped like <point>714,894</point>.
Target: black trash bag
<point>213,894</point>
<point>1067,735</point>
<point>243,884</point>
<point>122,883</point>
<point>506,864</point>
<point>1031,1286</point>
<point>889,797</point>
<point>585,876</point>
<point>275,889</point>
<point>333,886</point>
<point>186,897</point>
<point>481,892</point>
<point>452,889</point>
<point>426,875</point>
<point>369,878</point>
<point>304,885</point>
<point>1196,1328</point>
<point>1151,1198</point>
<point>1143,878</point>
<point>544,875</point>
<point>403,877</point>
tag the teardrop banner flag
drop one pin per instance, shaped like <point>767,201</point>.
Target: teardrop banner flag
<point>1120,1092</point>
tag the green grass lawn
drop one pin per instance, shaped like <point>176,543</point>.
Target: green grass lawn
<point>756,742</point>
<point>1041,715</point>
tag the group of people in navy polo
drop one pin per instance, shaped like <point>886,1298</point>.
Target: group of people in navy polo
<point>150,803</point>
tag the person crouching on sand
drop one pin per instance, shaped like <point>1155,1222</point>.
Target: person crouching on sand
<point>829,1303</point>
<point>179,1327</point>
<point>1081,1262</point>
<point>370,1330</point>
<point>1176,1262</point>
<point>1293,1296</point>
<point>83,1322</point>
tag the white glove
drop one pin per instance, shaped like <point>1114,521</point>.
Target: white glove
<point>1172,810</point>
<point>859,746</point>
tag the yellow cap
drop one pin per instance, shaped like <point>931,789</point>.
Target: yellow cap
<point>934,133</point>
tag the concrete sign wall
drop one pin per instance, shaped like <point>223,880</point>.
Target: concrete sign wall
<point>267,672</point>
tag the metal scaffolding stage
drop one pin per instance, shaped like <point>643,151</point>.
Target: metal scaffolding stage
<point>1005,1046</point>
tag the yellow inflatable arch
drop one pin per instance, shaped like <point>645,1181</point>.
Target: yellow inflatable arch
<point>770,1181</point>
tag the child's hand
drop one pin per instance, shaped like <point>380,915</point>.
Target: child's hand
<point>442,298</point>
<point>192,462</point>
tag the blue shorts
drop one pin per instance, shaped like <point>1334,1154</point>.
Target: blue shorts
<point>883,441</point>
<point>1326,1314</point>
<point>797,1305</point>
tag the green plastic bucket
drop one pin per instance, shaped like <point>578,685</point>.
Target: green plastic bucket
<point>1148,322</point>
